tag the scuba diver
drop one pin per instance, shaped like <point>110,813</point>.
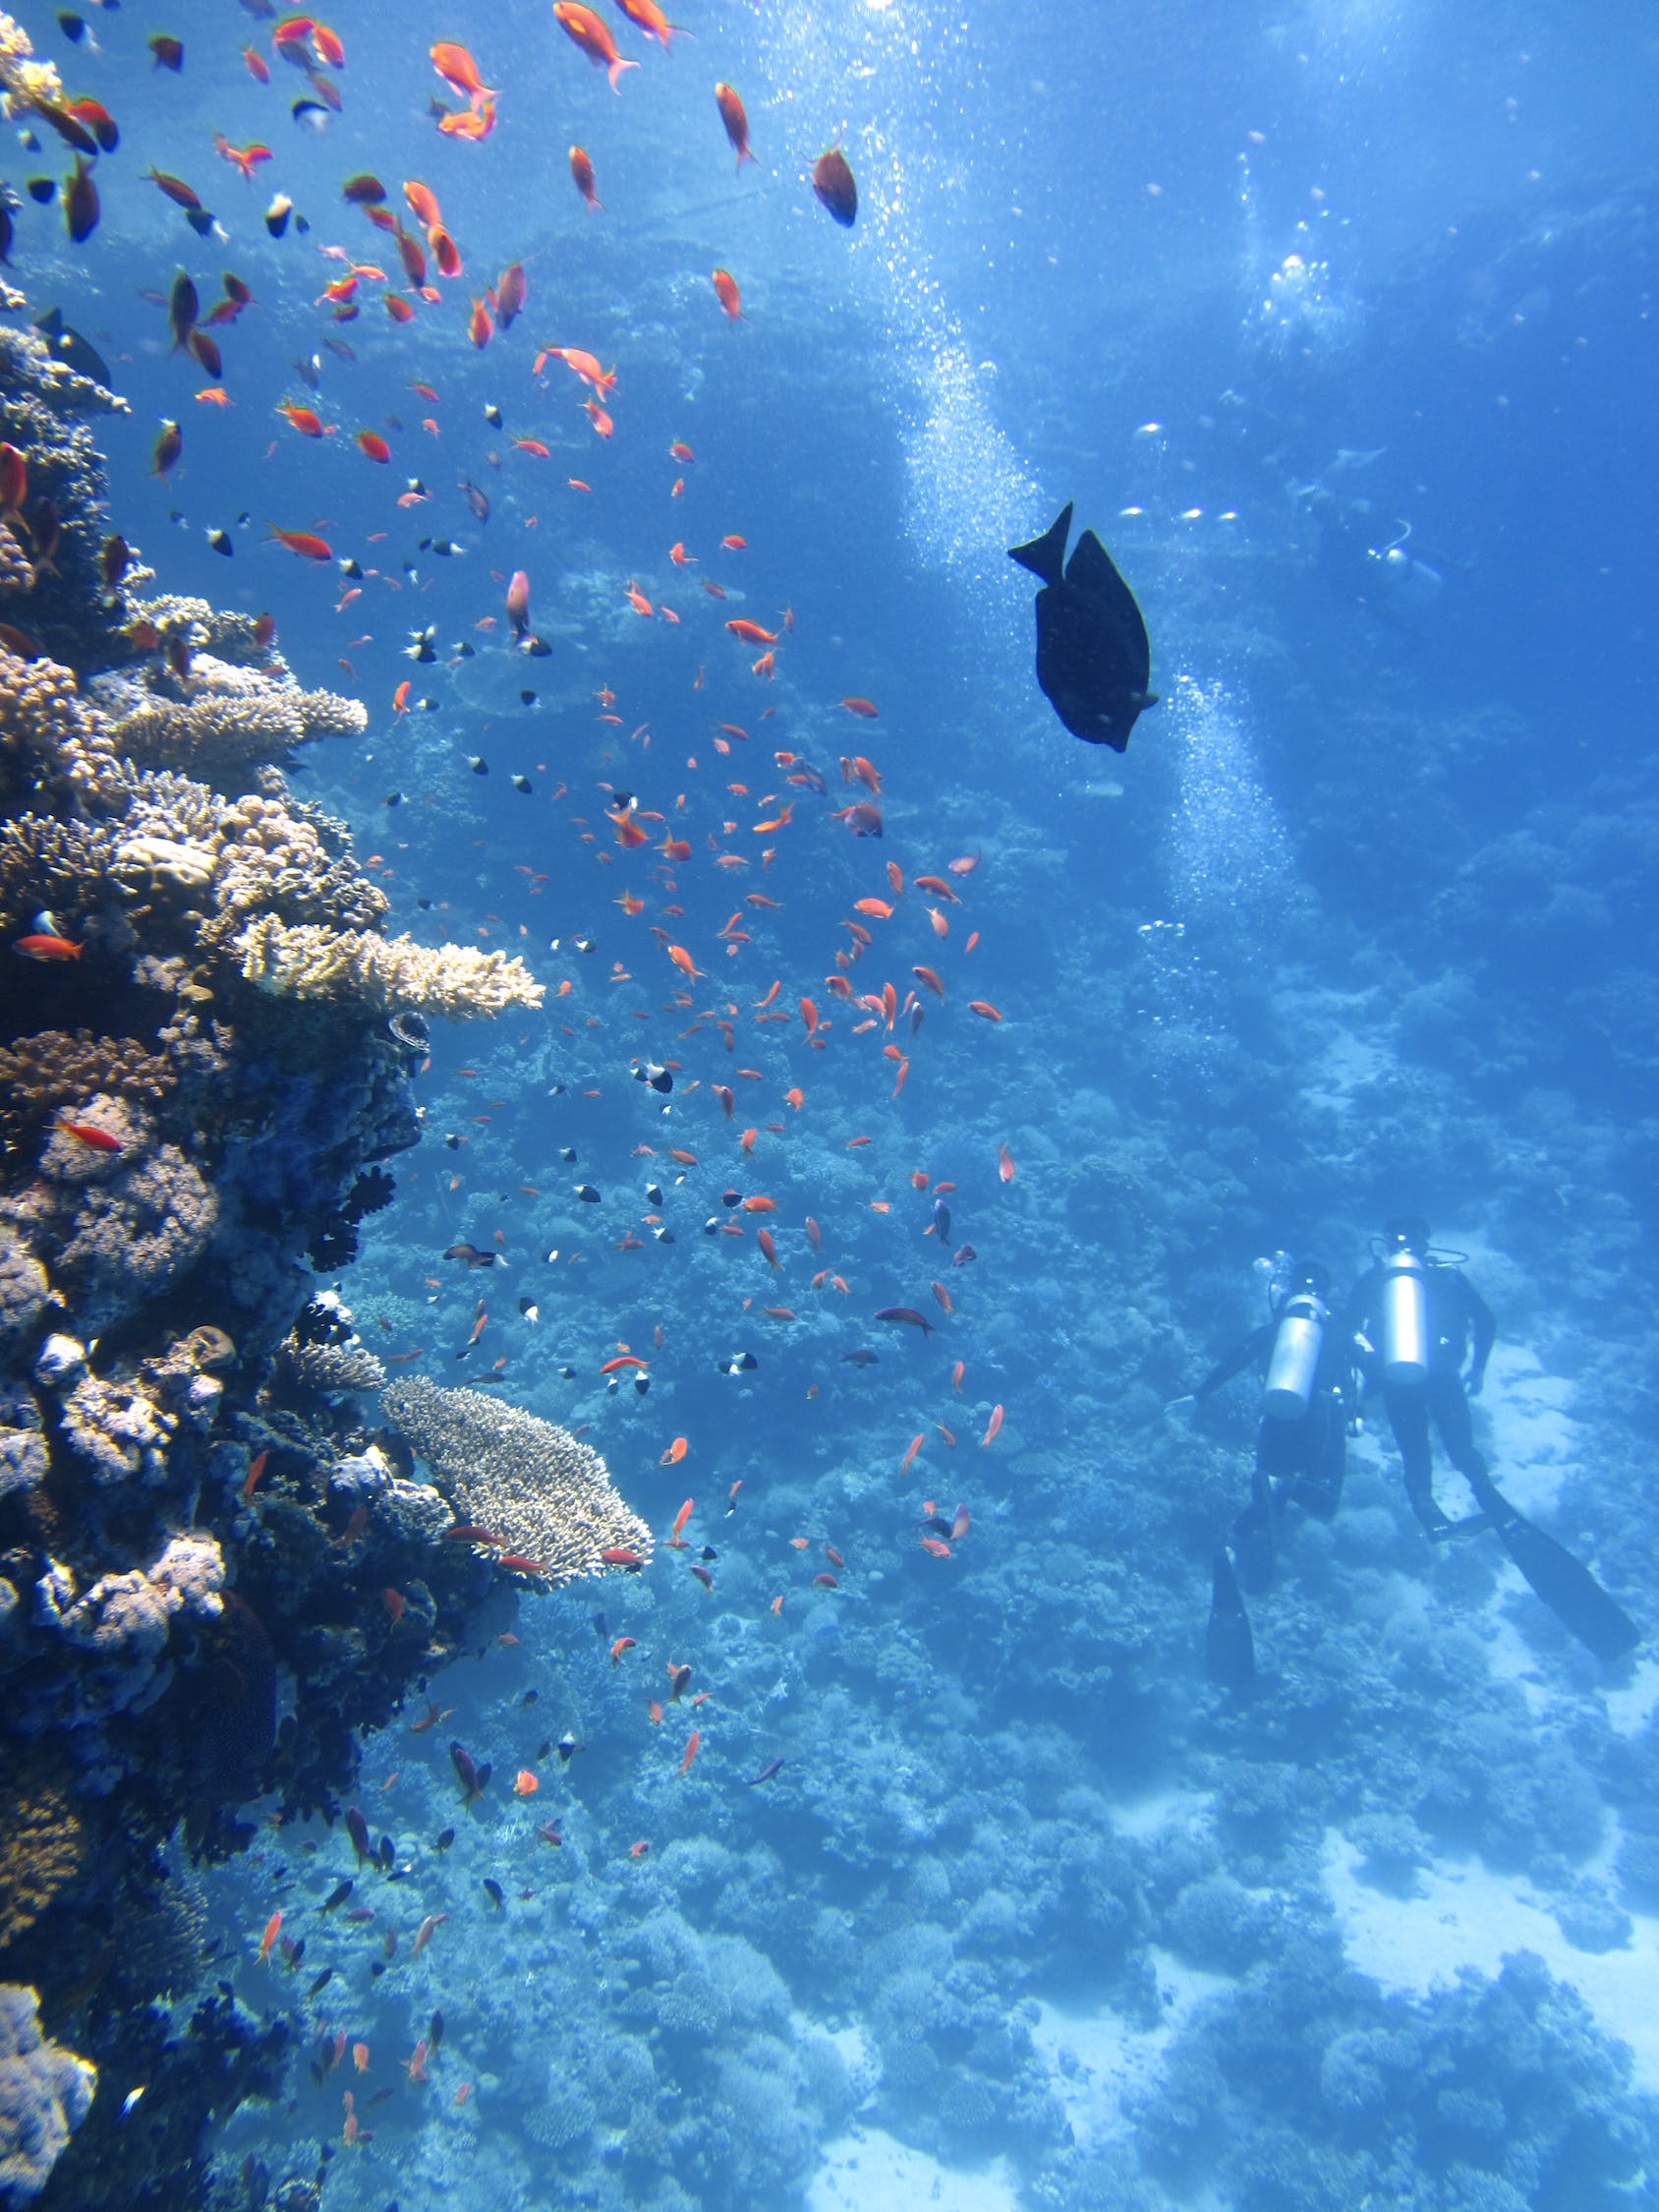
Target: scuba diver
<point>1416,1319</point>
<point>1308,1367</point>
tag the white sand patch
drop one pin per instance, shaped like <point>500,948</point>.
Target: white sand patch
<point>1534,1439</point>
<point>1629,1706</point>
<point>1141,1817</point>
<point>1466,1916</point>
<point>1094,2058</point>
<point>868,2171</point>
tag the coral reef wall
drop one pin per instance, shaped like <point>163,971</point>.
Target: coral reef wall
<point>206,1051</point>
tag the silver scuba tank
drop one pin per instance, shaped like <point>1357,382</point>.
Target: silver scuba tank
<point>1295,1356</point>
<point>1403,1319</point>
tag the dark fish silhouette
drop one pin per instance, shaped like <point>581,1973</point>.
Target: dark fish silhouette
<point>71,348</point>
<point>1092,654</point>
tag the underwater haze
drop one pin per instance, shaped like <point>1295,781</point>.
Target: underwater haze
<point>964,1761</point>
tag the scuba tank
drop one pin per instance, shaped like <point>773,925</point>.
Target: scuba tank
<point>1403,1319</point>
<point>1295,1356</point>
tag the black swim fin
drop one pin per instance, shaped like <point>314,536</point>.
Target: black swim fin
<point>1229,1649</point>
<point>1044,557</point>
<point>1569,1589</point>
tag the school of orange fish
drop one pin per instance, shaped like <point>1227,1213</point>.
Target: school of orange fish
<point>902,952</point>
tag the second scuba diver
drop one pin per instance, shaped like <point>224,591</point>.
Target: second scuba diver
<point>1308,1366</point>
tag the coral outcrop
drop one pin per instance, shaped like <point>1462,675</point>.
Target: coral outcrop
<point>45,2093</point>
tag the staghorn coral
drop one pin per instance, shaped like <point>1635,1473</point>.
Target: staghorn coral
<point>45,2093</point>
<point>387,974</point>
<point>44,1848</point>
<point>544,1493</point>
<point>219,722</point>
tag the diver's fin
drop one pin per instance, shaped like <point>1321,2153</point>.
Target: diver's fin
<point>1570,1589</point>
<point>1044,557</point>
<point>1229,1649</point>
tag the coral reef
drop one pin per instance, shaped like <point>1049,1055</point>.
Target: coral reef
<point>200,1088</point>
<point>548,1496</point>
<point>45,2093</point>
<point>393,975</point>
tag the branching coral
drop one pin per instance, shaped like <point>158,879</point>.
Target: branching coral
<point>548,1496</point>
<point>390,974</point>
<point>45,2093</point>
<point>219,722</point>
<point>329,1371</point>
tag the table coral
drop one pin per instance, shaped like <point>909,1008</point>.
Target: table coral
<point>548,1496</point>
<point>390,974</point>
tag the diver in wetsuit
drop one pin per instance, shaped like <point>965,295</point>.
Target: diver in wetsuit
<point>1301,1447</point>
<point>1301,1441</point>
<point>1419,1319</point>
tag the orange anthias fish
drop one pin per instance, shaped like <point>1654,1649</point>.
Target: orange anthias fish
<point>582,170</point>
<point>736,122</point>
<point>726,292</point>
<point>458,70</point>
<point>993,1425</point>
<point>273,1926</point>
<point>691,1743</point>
<point>585,29</point>
<point>305,543</point>
<point>647,16</point>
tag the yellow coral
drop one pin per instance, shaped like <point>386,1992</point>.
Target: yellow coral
<point>43,1847</point>
<point>28,85</point>
<point>390,975</point>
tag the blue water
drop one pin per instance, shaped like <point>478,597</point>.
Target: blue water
<point>1031,1914</point>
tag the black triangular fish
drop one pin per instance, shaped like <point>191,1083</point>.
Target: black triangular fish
<point>1092,656</point>
<point>70,347</point>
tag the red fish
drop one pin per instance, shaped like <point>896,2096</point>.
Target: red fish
<point>586,30</point>
<point>458,70</point>
<point>834,187</point>
<point>44,947</point>
<point>582,170</point>
<point>726,292</point>
<point>96,1139</point>
<point>648,17</point>
<point>305,543</point>
<point>736,122</point>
